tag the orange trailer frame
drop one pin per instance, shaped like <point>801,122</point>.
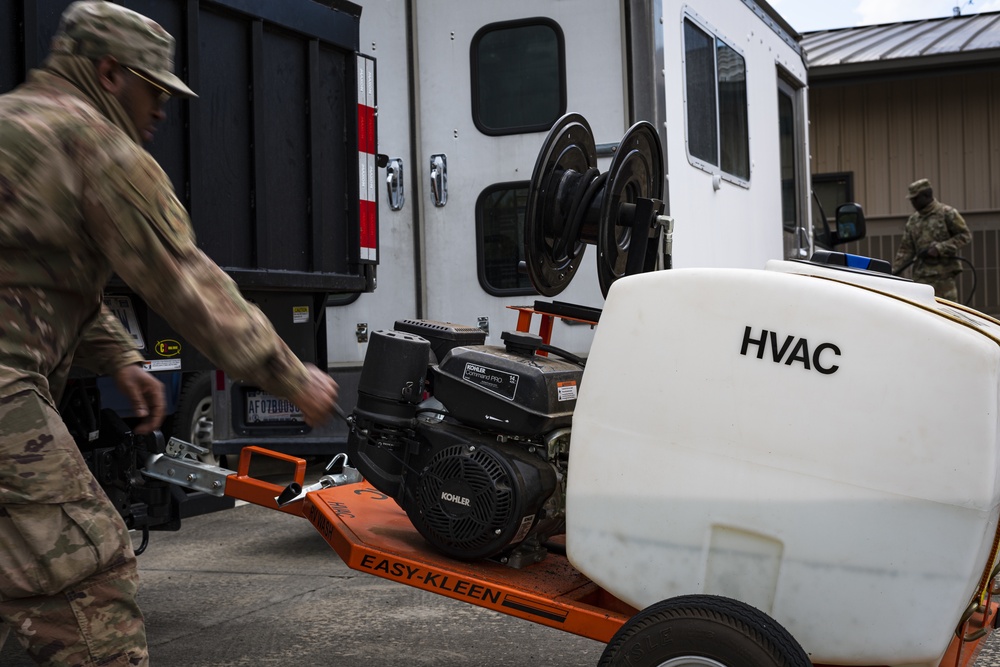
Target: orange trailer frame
<point>372,534</point>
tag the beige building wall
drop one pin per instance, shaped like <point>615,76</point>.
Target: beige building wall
<point>892,131</point>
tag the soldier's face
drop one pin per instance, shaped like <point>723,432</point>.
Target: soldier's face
<point>143,101</point>
<point>922,199</point>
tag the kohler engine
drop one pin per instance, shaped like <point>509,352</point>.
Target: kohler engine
<point>471,440</point>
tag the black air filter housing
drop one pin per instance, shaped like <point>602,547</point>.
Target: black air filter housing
<point>392,378</point>
<point>395,367</point>
<point>493,389</point>
<point>390,387</point>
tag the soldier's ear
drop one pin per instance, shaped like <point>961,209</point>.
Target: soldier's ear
<point>110,74</point>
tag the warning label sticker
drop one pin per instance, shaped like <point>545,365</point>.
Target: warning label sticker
<point>155,365</point>
<point>566,391</point>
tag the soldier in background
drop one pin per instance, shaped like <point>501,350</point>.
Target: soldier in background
<point>81,199</point>
<point>931,240</point>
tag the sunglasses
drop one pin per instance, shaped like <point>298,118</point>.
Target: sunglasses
<point>164,93</point>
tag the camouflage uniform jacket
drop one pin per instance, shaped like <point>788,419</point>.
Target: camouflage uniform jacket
<point>935,225</point>
<point>79,200</point>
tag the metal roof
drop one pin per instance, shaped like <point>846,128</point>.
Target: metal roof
<point>957,40</point>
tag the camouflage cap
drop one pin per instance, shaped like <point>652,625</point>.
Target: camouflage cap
<point>916,187</point>
<point>97,28</point>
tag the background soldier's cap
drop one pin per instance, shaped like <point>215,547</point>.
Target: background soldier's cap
<point>96,28</point>
<point>916,187</point>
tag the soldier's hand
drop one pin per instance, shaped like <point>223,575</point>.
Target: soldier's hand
<point>145,393</point>
<point>932,251</point>
<point>317,398</point>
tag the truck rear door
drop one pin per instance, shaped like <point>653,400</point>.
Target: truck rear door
<point>492,79</point>
<point>467,92</point>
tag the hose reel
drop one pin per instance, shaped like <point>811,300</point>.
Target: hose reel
<point>571,205</point>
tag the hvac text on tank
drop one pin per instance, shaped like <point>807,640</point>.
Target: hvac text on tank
<point>796,349</point>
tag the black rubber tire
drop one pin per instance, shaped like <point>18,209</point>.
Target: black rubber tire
<point>194,401</point>
<point>703,628</point>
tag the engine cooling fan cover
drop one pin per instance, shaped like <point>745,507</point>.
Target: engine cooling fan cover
<point>473,501</point>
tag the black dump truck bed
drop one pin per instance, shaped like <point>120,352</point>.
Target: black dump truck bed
<point>272,160</point>
<point>275,161</point>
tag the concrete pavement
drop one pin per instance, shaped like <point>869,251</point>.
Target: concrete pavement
<point>250,586</point>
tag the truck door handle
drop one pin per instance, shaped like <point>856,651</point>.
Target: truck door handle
<point>394,183</point>
<point>439,179</point>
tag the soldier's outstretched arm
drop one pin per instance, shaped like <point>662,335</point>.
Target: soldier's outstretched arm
<point>141,227</point>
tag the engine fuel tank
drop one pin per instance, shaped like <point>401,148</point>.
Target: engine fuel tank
<point>516,394</point>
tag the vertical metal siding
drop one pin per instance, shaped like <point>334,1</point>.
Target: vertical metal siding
<point>992,82</point>
<point>975,109</point>
<point>892,131</point>
<point>926,156</point>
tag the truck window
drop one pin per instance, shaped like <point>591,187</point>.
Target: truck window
<point>518,76</point>
<point>716,105</point>
<point>500,239</point>
<point>831,190</point>
<point>786,137</point>
<point>792,160</point>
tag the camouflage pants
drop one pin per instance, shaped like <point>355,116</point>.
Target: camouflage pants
<point>945,287</point>
<point>67,570</point>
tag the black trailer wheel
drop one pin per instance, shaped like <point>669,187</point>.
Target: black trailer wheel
<point>702,631</point>
<point>193,421</point>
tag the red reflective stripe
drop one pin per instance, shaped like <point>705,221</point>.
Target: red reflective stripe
<point>370,121</point>
<point>362,129</point>
<point>368,229</point>
<point>366,129</point>
<point>372,144</point>
<point>368,209</point>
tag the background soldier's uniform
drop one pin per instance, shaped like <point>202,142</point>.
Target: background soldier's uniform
<point>80,199</point>
<point>935,225</point>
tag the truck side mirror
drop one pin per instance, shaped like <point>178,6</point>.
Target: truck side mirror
<point>850,222</point>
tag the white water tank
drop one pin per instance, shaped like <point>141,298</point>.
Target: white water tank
<point>820,443</point>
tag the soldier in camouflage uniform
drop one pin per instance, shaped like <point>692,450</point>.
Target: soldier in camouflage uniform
<point>81,199</point>
<point>931,239</point>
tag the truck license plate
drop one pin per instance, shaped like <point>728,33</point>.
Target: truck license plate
<point>263,408</point>
<point>121,307</point>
